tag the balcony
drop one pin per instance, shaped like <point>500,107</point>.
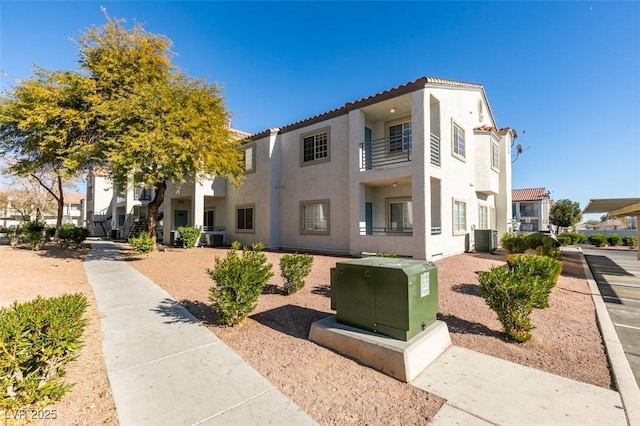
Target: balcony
<point>385,151</point>
<point>386,231</point>
<point>142,194</point>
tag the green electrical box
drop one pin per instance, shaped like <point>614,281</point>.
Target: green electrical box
<point>390,296</point>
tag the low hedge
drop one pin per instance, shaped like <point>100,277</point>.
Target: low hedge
<point>37,339</point>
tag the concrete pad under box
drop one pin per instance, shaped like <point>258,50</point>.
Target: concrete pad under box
<point>396,358</point>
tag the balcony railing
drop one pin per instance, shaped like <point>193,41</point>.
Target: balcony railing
<point>385,151</point>
<point>142,194</point>
<point>434,149</point>
<point>388,232</point>
<point>436,230</point>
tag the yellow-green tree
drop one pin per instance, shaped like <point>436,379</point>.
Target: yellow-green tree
<point>156,125</point>
<point>45,123</point>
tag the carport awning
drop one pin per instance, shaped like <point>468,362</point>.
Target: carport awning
<point>614,206</point>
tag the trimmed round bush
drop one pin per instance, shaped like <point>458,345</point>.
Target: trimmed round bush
<point>614,240</point>
<point>598,240</point>
<point>239,281</point>
<point>514,243</point>
<point>565,240</point>
<point>142,243</point>
<point>294,269</point>
<point>189,235</point>
<point>630,240</point>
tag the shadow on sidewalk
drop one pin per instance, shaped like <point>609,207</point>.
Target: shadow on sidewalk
<point>195,312</point>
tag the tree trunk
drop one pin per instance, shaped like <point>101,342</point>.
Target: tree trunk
<point>154,206</point>
<point>60,208</point>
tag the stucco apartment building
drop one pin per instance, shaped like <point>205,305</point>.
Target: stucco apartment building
<point>15,209</point>
<point>115,212</point>
<point>413,170</point>
<point>531,208</point>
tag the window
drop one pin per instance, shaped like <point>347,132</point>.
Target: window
<point>244,218</point>
<point>495,156</point>
<point>400,216</point>
<point>249,159</point>
<point>459,217</point>
<point>207,221</point>
<point>458,141</point>
<point>483,217</point>
<point>400,137</point>
<point>315,147</point>
<point>142,194</point>
<point>314,217</point>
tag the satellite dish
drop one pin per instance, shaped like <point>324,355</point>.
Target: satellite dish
<point>519,148</point>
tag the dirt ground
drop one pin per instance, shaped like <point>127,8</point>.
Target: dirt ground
<point>24,274</point>
<point>331,388</point>
<point>336,390</point>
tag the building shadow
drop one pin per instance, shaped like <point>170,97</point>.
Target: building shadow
<point>290,319</point>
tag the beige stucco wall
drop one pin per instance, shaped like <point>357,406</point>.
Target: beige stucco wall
<point>319,181</point>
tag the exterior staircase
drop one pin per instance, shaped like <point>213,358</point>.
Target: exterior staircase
<point>137,228</point>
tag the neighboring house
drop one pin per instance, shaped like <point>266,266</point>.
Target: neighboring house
<point>115,212</point>
<point>14,210</point>
<point>413,170</point>
<point>531,207</point>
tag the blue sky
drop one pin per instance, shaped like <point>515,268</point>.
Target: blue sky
<point>566,75</point>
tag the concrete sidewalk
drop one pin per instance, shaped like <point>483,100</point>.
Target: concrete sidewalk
<point>483,390</point>
<point>164,367</point>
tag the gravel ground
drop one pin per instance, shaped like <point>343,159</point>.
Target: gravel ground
<point>331,388</point>
<point>53,272</point>
<point>336,390</point>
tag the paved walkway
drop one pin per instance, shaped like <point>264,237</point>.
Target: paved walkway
<point>164,367</point>
<point>483,390</point>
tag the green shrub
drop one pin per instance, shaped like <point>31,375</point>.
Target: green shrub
<point>576,237</point>
<point>37,339</point>
<point>70,233</point>
<point>598,240</point>
<point>35,234</point>
<point>546,268</point>
<point>550,248</point>
<point>143,243</point>
<point>514,243</point>
<point>630,240</point>
<point>535,240</point>
<point>512,297</point>
<point>14,235</point>
<point>294,269</point>
<point>614,240</point>
<point>239,282</point>
<point>565,240</point>
<point>189,236</point>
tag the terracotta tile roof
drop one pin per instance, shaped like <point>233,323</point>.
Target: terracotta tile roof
<point>239,133</point>
<point>529,194</point>
<point>99,171</point>
<point>378,97</point>
<point>74,197</point>
<point>497,131</point>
